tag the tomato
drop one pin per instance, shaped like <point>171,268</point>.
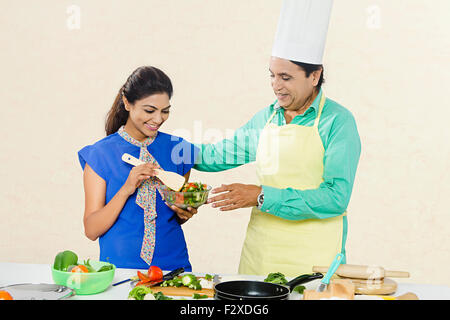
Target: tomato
<point>154,273</point>
<point>80,268</point>
<point>179,198</point>
<point>4,295</point>
<point>142,276</point>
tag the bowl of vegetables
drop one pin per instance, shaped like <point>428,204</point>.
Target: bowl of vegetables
<point>87,277</point>
<point>192,194</point>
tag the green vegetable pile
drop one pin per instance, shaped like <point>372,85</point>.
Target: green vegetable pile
<point>139,292</point>
<point>276,277</point>
<point>67,260</point>
<point>279,278</point>
<point>188,280</point>
<point>192,194</point>
<point>193,187</point>
<point>145,293</point>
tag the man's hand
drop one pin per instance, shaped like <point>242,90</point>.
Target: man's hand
<point>235,196</point>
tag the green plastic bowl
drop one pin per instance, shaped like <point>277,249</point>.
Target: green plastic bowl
<point>86,283</point>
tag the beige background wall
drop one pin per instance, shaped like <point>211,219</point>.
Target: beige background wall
<point>62,62</point>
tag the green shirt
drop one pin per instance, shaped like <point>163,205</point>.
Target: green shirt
<point>340,138</point>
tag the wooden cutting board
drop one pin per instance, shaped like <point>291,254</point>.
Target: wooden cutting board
<point>182,291</point>
<point>388,286</point>
<point>364,281</point>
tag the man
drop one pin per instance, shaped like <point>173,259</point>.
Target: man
<point>306,149</point>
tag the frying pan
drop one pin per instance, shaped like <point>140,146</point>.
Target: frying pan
<point>251,290</point>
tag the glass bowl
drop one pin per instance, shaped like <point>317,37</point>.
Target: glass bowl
<point>184,200</point>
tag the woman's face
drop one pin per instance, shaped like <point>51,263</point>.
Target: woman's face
<point>147,115</point>
<point>290,84</point>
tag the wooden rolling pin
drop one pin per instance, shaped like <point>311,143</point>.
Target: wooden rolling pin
<point>363,272</point>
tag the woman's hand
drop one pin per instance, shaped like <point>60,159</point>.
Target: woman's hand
<point>183,215</point>
<point>235,196</point>
<point>136,176</point>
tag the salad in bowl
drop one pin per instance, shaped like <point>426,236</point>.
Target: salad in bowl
<point>192,194</point>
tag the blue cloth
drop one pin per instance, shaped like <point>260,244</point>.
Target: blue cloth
<point>121,244</point>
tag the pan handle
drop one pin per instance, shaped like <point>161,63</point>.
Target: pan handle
<point>304,278</point>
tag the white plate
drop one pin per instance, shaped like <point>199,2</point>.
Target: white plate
<point>41,291</point>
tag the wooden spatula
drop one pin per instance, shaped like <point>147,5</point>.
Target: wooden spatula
<point>171,179</point>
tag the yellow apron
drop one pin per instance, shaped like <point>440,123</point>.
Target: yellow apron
<point>290,156</point>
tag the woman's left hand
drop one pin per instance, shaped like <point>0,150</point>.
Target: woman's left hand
<point>183,215</point>
<point>235,196</point>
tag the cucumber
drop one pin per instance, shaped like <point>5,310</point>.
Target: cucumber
<point>188,279</point>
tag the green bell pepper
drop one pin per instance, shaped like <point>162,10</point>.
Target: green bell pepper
<point>64,259</point>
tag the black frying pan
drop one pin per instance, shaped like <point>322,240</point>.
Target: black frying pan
<point>248,290</point>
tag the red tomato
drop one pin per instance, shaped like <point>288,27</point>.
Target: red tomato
<point>154,273</point>
<point>4,295</point>
<point>80,268</point>
<point>179,198</point>
<point>142,276</point>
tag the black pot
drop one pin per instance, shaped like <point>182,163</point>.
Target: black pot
<point>252,290</point>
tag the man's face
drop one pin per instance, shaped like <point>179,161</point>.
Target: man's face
<point>290,84</point>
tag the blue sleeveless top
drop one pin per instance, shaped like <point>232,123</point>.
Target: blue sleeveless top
<point>121,244</point>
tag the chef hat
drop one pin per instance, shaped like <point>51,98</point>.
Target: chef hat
<point>302,30</point>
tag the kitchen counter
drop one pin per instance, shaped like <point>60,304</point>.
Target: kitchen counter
<point>14,273</point>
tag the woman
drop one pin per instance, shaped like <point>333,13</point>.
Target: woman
<point>123,207</point>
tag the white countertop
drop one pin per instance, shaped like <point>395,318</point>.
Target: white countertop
<point>15,273</point>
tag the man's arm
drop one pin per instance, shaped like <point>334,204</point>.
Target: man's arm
<point>331,198</point>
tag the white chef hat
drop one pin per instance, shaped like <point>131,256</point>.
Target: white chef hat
<point>302,30</point>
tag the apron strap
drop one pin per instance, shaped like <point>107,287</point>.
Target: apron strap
<point>321,104</point>
<point>271,117</point>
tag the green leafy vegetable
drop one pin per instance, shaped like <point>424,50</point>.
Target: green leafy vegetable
<point>88,265</point>
<point>106,267</point>
<point>199,296</point>
<point>299,289</point>
<point>139,292</point>
<point>276,277</point>
<point>103,268</point>
<point>161,296</point>
<point>193,187</point>
<point>208,277</point>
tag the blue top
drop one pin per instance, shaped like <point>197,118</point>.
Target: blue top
<point>121,244</point>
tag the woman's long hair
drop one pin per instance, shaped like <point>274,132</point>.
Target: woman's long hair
<point>143,82</point>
